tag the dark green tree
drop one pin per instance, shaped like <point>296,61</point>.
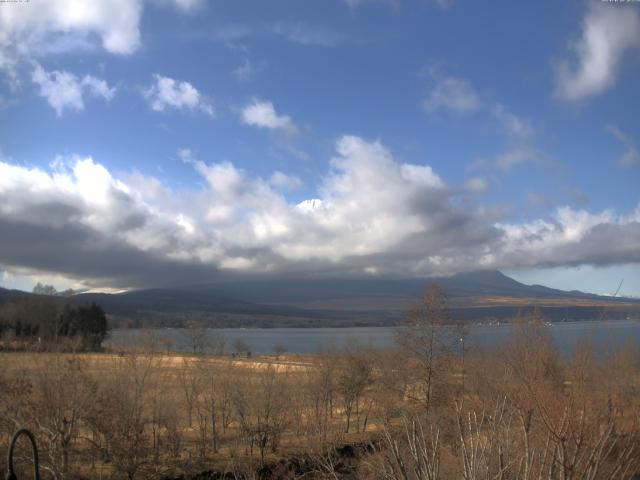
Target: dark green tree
<point>87,322</point>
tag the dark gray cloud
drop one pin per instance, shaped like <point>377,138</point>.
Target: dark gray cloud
<point>85,255</point>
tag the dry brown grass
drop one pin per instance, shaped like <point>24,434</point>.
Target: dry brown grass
<point>521,403</point>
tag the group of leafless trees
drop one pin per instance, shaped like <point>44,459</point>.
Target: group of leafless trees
<point>433,408</point>
<point>518,411</point>
<point>144,415</point>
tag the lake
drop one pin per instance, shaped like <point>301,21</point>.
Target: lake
<point>605,335</point>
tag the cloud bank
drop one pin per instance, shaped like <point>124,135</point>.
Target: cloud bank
<point>372,215</point>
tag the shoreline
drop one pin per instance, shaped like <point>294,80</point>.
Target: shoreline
<point>368,327</point>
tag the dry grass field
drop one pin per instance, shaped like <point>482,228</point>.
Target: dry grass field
<point>421,411</point>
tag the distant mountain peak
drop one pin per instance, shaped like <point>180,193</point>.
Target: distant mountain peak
<point>487,277</point>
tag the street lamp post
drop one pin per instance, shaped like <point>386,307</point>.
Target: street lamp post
<point>462,348</point>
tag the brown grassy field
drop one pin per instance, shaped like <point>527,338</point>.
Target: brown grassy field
<point>421,411</point>
<point>551,302</point>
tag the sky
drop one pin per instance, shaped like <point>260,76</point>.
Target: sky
<point>174,142</point>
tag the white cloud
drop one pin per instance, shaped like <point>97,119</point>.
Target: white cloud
<point>421,174</point>
<point>283,181</point>
<point>515,126</point>
<point>189,5</point>
<point>459,95</point>
<point>186,155</point>
<point>309,205</point>
<point>249,68</point>
<point>28,30</point>
<point>31,30</point>
<point>262,114</point>
<point>609,31</point>
<point>370,213</point>
<point>63,90</point>
<point>512,158</point>
<point>516,156</point>
<point>166,92</point>
<point>244,71</point>
<point>98,87</point>
<point>631,156</point>
<point>354,4</point>
<point>88,183</point>
<point>452,93</point>
<point>574,237</point>
<point>477,185</point>
<point>308,35</point>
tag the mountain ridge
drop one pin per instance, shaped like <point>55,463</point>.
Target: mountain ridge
<point>473,296</point>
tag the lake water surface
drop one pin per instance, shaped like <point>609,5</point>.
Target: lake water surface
<point>604,335</point>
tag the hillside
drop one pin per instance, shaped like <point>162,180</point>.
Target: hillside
<point>475,296</point>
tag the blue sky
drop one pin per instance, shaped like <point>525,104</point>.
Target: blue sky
<point>167,141</point>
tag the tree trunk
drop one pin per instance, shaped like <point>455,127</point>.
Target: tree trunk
<point>214,428</point>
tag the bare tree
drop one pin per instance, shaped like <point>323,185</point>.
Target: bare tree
<point>119,412</point>
<point>62,393</point>
<point>197,337</point>
<point>412,454</point>
<point>420,337</point>
<point>354,376</point>
<point>202,339</point>
<point>261,409</point>
<point>279,349</point>
<point>240,346</point>
<point>392,381</point>
<point>189,382</point>
<point>212,400</point>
